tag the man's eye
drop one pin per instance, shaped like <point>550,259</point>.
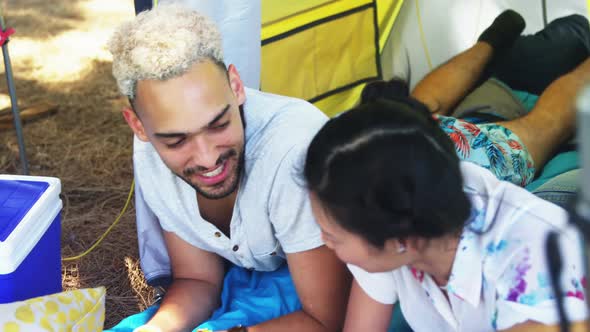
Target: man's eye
<point>220,126</point>
<point>176,144</point>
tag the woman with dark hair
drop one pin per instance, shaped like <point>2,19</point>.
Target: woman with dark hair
<point>459,249</point>
<point>414,192</point>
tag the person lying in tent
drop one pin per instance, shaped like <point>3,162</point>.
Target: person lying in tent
<point>430,228</point>
<point>490,123</point>
<point>215,165</point>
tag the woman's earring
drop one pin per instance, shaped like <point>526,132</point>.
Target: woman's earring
<point>401,248</point>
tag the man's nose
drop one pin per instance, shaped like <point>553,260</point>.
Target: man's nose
<point>204,153</point>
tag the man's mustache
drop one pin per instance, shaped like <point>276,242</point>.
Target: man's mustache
<point>222,158</point>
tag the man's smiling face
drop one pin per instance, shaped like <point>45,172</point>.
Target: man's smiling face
<point>194,123</point>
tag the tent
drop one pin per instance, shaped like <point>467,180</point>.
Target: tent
<point>323,51</point>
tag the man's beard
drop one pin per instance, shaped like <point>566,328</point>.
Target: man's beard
<point>234,177</point>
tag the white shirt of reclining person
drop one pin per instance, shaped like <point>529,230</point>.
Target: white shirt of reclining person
<point>499,277</point>
<point>272,214</point>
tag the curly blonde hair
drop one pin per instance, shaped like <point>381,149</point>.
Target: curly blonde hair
<point>162,43</point>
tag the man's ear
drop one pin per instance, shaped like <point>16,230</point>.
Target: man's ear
<point>134,123</point>
<point>236,84</point>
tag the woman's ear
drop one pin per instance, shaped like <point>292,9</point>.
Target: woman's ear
<point>395,245</point>
<point>415,243</point>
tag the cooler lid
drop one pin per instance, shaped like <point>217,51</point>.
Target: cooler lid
<point>28,206</point>
<point>16,199</point>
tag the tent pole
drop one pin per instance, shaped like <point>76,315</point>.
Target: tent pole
<point>544,5</point>
<point>13,101</point>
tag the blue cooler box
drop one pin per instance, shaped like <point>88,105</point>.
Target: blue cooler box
<point>30,233</point>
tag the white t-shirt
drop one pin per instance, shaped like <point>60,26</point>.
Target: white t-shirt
<point>272,214</point>
<point>499,276</point>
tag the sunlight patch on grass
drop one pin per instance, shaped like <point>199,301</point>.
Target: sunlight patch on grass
<point>69,55</point>
<point>4,101</point>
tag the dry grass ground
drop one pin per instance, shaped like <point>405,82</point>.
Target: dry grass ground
<point>59,55</point>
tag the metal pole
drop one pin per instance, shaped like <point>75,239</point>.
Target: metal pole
<point>14,102</point>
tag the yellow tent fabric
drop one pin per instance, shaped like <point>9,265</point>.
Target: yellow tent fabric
<point>324,50</point>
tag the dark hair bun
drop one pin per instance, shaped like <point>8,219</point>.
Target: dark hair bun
<point>393,89</point>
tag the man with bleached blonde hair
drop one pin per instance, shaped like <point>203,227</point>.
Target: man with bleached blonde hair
<point>217,169</point>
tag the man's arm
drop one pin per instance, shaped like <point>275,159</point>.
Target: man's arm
<point>323,284</point>
<point>366,314</point>
<point>195,290</point>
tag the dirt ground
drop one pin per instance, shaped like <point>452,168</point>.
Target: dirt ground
<point>59,55</point>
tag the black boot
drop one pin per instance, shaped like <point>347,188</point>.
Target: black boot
<point>504,31</point>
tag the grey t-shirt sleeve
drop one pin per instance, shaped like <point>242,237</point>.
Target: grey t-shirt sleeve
<point>289,205</point>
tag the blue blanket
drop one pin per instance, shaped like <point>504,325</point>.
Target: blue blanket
<point>248,298</point>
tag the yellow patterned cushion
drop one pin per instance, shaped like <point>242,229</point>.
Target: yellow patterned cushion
<point>76,311</point>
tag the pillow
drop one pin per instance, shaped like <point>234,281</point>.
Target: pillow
<point>76,311</point>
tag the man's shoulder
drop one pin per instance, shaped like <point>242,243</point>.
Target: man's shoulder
<point>277,124</point>
<point>264,108</point>
<point>260,98</point>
